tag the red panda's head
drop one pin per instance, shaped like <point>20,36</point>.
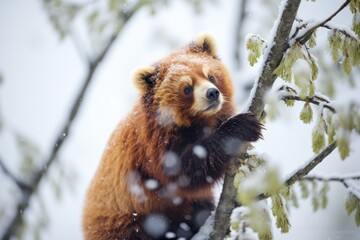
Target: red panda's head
<point>189,86</point>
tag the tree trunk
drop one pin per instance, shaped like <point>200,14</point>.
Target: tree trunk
<point>272,57</point>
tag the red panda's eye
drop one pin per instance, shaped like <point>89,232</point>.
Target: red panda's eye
<point>188,90</point>
<point>212,79</point>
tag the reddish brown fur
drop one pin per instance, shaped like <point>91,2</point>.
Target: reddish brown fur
<point>136,148</point>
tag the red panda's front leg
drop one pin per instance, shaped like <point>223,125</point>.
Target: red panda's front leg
<point>205,161</point>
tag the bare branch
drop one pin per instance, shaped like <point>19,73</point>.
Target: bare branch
<point>331,179</point>
<point>238,38</point>
<point>227,199</point>
<point>24,202</point>
<point>21,184</point>
<point>350,182</point>
<point>342,180</point>
<point>79,46</point>
<point>306,36</point>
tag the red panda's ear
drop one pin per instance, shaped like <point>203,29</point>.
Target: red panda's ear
<point>205,42</point>
<point>144,78</point>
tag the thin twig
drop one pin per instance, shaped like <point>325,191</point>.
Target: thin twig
<point>306,36</point>
<point>332,179</point>
<point>21,184</point>
<point>340,30</point>
<point>314,100</point>
<point>298,28</point>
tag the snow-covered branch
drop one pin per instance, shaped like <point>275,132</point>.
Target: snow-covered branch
<point>272,58</point>
<point>306,36</point>
<point>350,182</point>
<point>302,171</point>
<point>346,32</point>
<point>317,100</point>
<point>310,165</point>
<point>347,181</point>
<point>341,179</point>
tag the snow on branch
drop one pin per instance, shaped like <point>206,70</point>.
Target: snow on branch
<point>287,93</point>
<point>341,179</point>
<point>300,175</point>
<point>342,29</point>
<point>280,54</point>
<point>317,100</point>
<point>306,36</point>
<point>310,165</point>
<point>303,170</point>
<point>352,185</point>
<point>350,182</point>
<point>272,58</point>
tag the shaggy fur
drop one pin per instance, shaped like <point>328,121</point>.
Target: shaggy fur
<point>156,176</point>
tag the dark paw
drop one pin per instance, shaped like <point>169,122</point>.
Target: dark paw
<point>244,126</point>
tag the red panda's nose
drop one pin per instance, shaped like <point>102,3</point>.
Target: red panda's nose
<point>212,94</point>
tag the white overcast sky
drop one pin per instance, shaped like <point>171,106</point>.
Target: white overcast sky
<point>42,75</point>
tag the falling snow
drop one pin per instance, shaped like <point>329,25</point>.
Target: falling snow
<point>156,225</point>
<point>200,151</point>
<point>171,163</point>
<point>151,184</point>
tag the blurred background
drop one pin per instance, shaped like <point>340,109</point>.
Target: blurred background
<point>48,49</point>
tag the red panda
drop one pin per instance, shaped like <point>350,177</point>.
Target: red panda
<point>156,176</point>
